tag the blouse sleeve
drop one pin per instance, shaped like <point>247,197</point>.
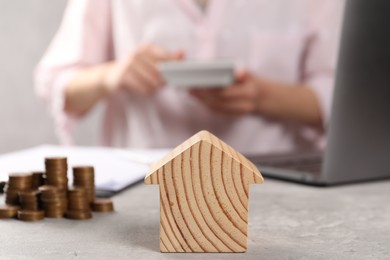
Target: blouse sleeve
<point>83,39</point>
<point>321,58</point>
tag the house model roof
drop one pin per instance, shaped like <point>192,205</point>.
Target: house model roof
<point>205,136</point>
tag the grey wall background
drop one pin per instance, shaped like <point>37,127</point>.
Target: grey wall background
<point>26,29</point>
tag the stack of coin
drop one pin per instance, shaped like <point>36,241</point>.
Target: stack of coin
<point>84,176</point>
<point>29,215</point>
<point>17,182</point>
<point>102,205</point>
<point>37,180</point>
<point>54,201</point>
<point>8,211</point>
<point>29,200</point>
<point>78,204</point>
<point>57,172</point>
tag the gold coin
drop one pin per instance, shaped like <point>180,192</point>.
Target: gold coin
<point>102,205</point>
<point>30,215</point>
<point>8,211</point>
<point>78,215</point>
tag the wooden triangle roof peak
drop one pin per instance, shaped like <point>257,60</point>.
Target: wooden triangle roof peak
<point>205,136</point>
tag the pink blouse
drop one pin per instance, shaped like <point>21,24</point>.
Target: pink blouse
<point>287,41</point>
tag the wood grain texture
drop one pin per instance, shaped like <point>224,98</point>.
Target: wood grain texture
<point>204,189</point>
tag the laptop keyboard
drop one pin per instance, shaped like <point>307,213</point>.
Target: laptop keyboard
<point>302,162</point>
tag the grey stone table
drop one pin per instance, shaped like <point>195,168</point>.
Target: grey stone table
<point>286,221</point>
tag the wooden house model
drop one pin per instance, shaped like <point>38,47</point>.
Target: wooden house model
<point>204,192</point>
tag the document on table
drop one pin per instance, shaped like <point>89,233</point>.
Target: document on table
<point>115,169</point>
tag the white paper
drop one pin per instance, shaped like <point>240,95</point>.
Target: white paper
<point>115,169</point>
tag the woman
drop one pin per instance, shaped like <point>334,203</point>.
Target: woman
<point>107,51</point>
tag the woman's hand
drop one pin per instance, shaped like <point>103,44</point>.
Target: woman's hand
<point>138,72</point>
<point>253,95</point>
<point>243,97</point>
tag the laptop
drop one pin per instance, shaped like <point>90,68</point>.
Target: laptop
<point>358,139</point>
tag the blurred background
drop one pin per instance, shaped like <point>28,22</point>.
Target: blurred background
<point>26,29</point>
